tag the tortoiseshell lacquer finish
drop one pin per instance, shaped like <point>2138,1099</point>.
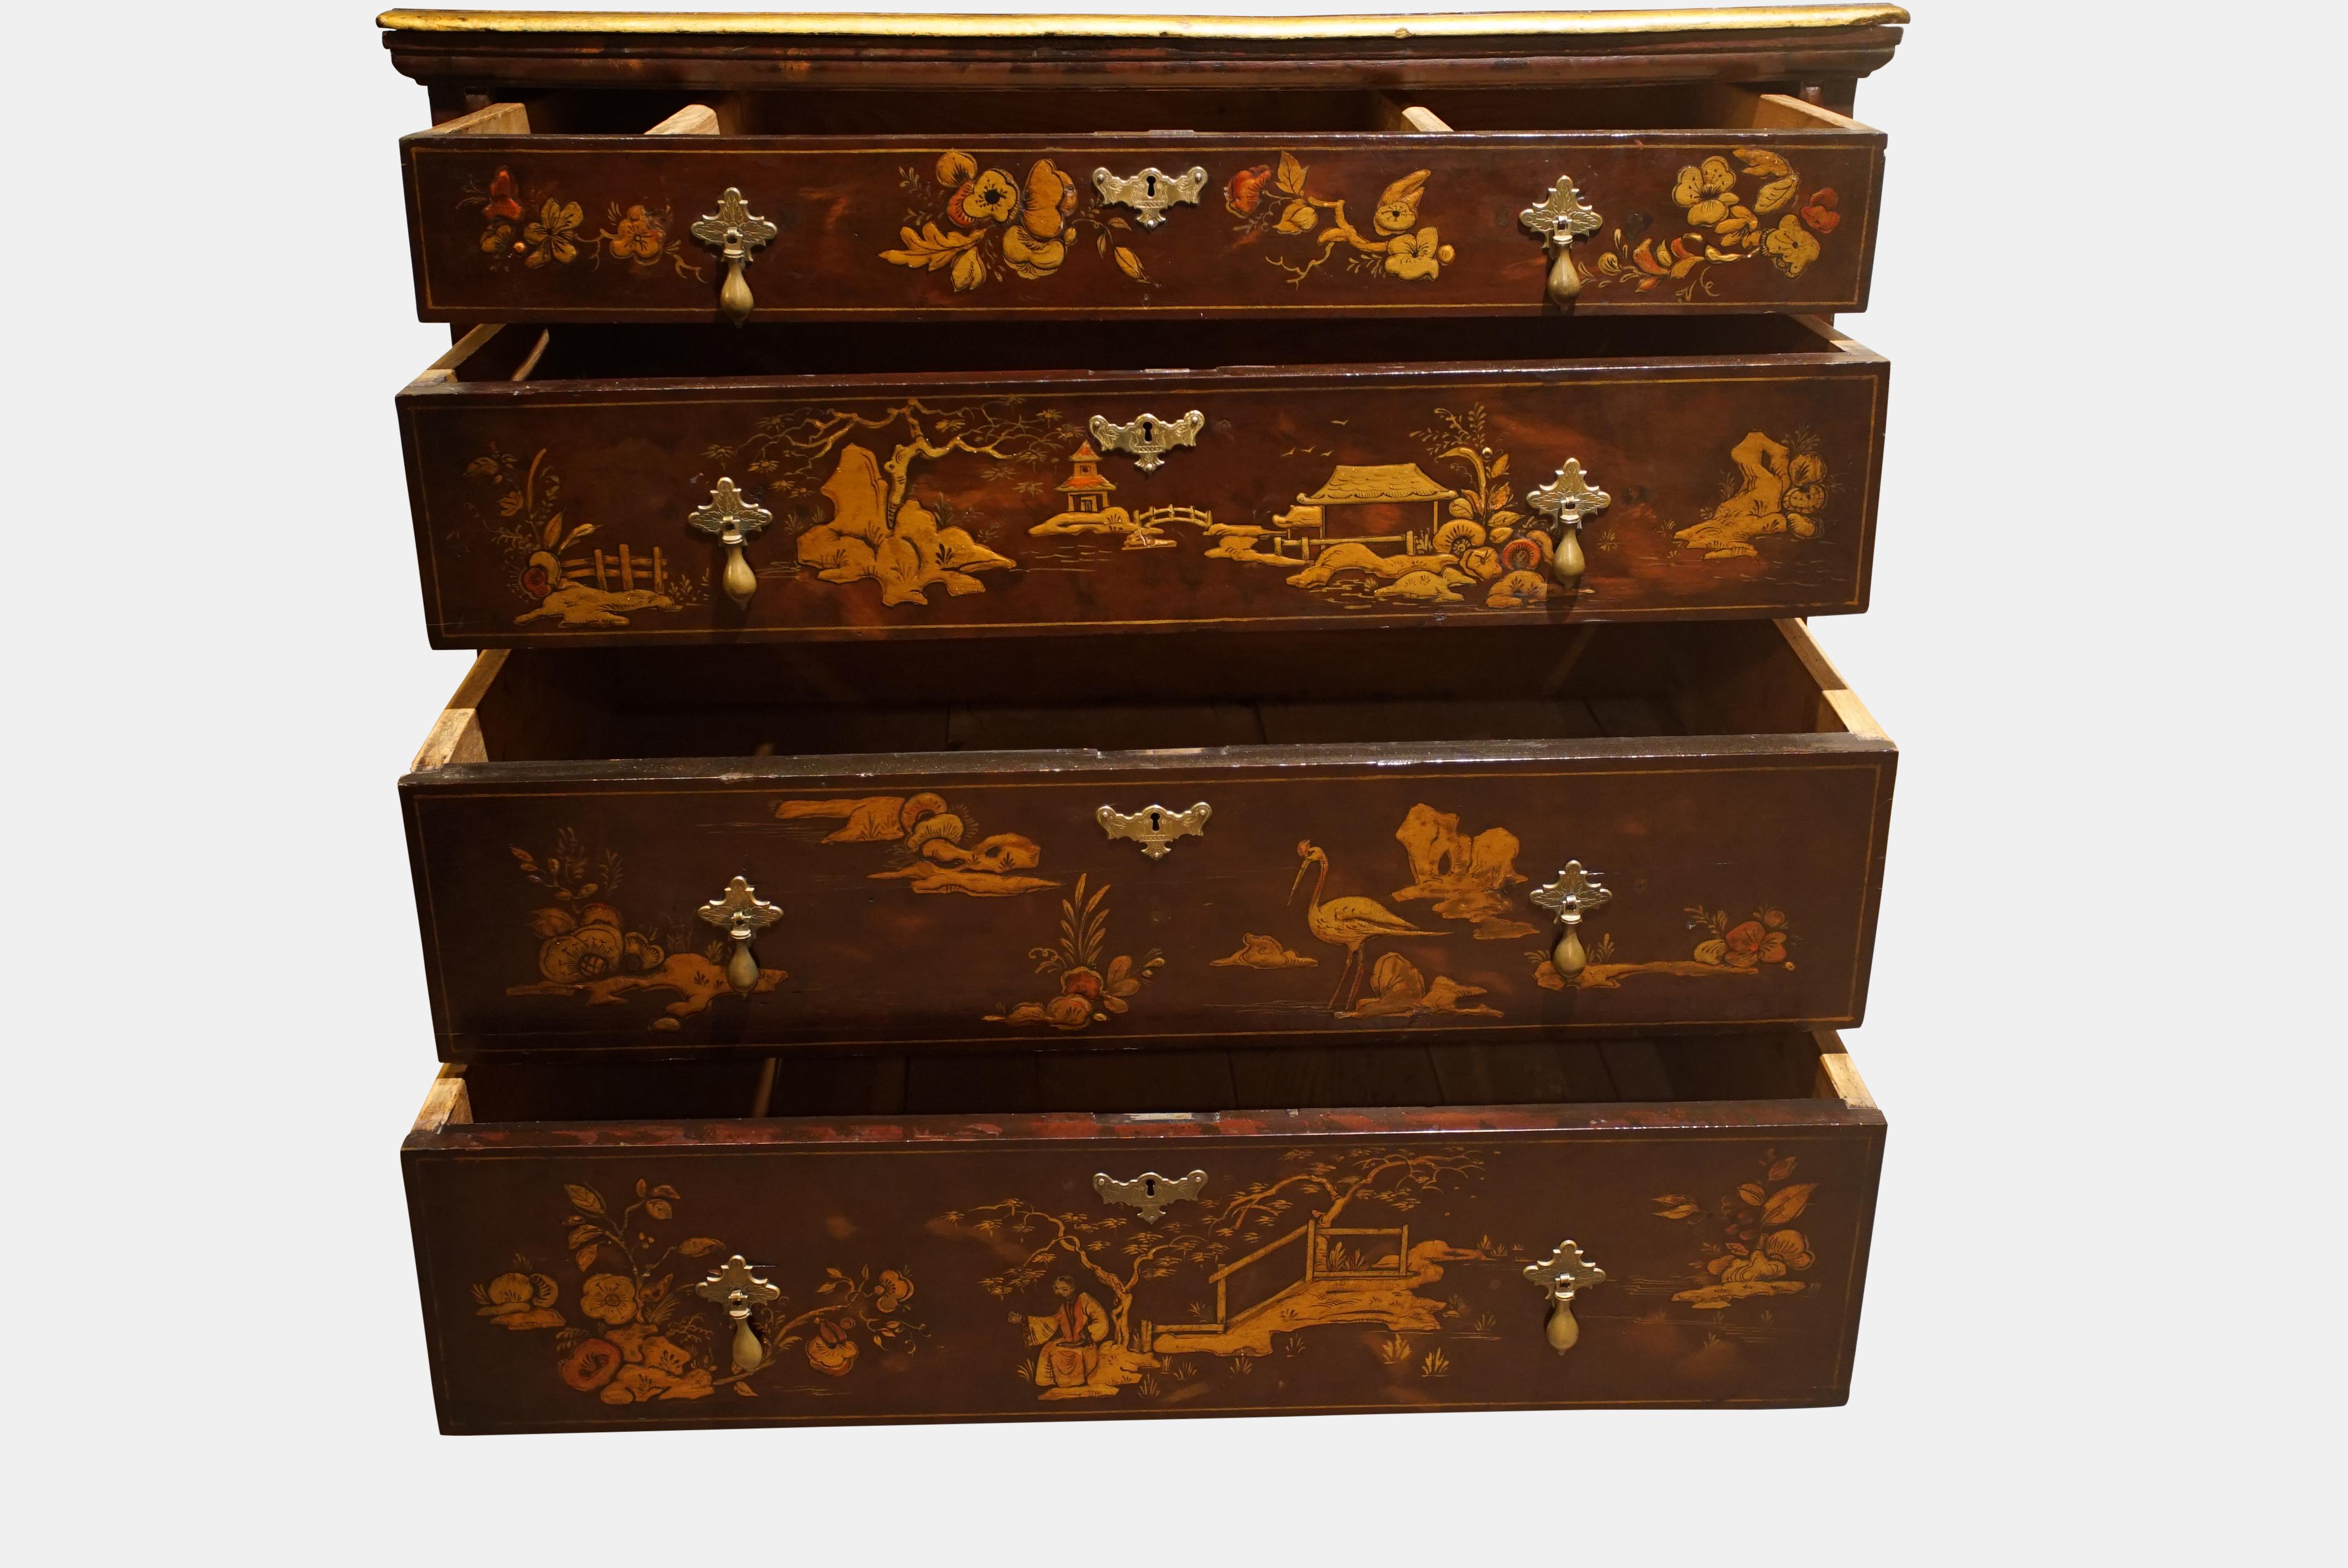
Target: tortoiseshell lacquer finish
<point>974,899</point>
<point>942,1267</point>
<point>557,510</point>
<point>542,228</point>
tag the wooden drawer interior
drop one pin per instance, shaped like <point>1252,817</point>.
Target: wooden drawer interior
<point>699,353</point>
<point>1031,109</point>
<point>1774,1066</point>
<point>1145,694</point>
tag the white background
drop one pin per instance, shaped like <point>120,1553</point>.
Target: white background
<point>2104,1306</point>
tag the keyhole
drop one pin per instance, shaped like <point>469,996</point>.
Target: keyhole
<point>1149,1186</point>
<point>1154,824</point>
<point>1149,431</point>
<point>1149,184</point>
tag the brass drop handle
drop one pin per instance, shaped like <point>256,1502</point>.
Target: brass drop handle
<point>1559,1275</point>
<point>737,1288</point>
<point>1565,501</point>
<point>1572,895</point>
<point>1150,192</point>
<point>742,915</point>
<point>734,232</point>
<point>736,519</point>
<point>1559,219</point>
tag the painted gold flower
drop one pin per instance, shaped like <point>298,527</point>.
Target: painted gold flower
<point>639,237</point>
<point>1029,256</point>
<point>1415,256</point>
<point>1790,246</point>
<point>1050,197</point>
<point>555,235</point>
<point>1703,188</point>
<point>608,1298</point>
<point>894,1288</point>
<point>992,198</point>
<point>955,169</point>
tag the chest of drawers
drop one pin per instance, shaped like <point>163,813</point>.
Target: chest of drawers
<point>1143,712</point>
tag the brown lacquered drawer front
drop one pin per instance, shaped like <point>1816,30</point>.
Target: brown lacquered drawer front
<point>1711,1211</point>
<point>981,872</point>
<point>1735,466</point>
<point>1773,211</point>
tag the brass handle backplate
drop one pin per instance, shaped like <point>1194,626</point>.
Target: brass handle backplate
<point>741,914</point>
<point>1572,895</point>
<point>737,1289</point>
<point>1148,437</point>
<point>1154,827</point>
<point>1565,501</point>
<point>1559,1275</point>
<point>736,519</point>
<point>1150,192</point>
<point>734,232</point>
<point>1559,219</point>
<point>1150,1193</point>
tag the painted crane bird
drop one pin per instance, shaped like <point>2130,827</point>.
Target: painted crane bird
<point>1346,923</point>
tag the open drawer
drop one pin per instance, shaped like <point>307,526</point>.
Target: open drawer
<point>1214,840</point>
<point>929,1237</point>
<point>1057,200</point>
<point>628,483</point>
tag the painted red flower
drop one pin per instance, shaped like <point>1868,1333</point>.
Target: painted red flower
<point>1820,212</point>
<point>503,197</point>
<point>535,582</point>
<point>1245,189</point>
<point>591,1366</point>
<point>1753,943</point>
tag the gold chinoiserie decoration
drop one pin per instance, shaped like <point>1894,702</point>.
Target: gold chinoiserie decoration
<point>1560,219</point>
<point>737,1288</point>
<point>734,232</point>
<point>1565,501</point>
<point>1150,192</point>
<point>1574,894</point>
<point>742,915</point>
<point>1559,1275</point>
<point>1150,1193</point>
<point>736,520</point>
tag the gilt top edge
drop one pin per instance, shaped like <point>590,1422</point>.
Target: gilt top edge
<point>1396,24</point>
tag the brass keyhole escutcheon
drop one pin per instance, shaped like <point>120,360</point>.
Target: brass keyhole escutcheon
<point>1154,827</point>
<point>1150,1193</point>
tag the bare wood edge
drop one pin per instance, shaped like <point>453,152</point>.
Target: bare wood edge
<point>497,119</point>
<point>762,1098</point>
<point>529,361</point>
<point>1826,119</point>
<point>456,735</point>
<point>1395,115</point>
<point>1837,1077</point>
<point>1840,341</point>
<point>442,370</point>
<point>1471,24</point>
<point>1833,690</point>
<point>447,1103</point>
<point>693,119</point>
